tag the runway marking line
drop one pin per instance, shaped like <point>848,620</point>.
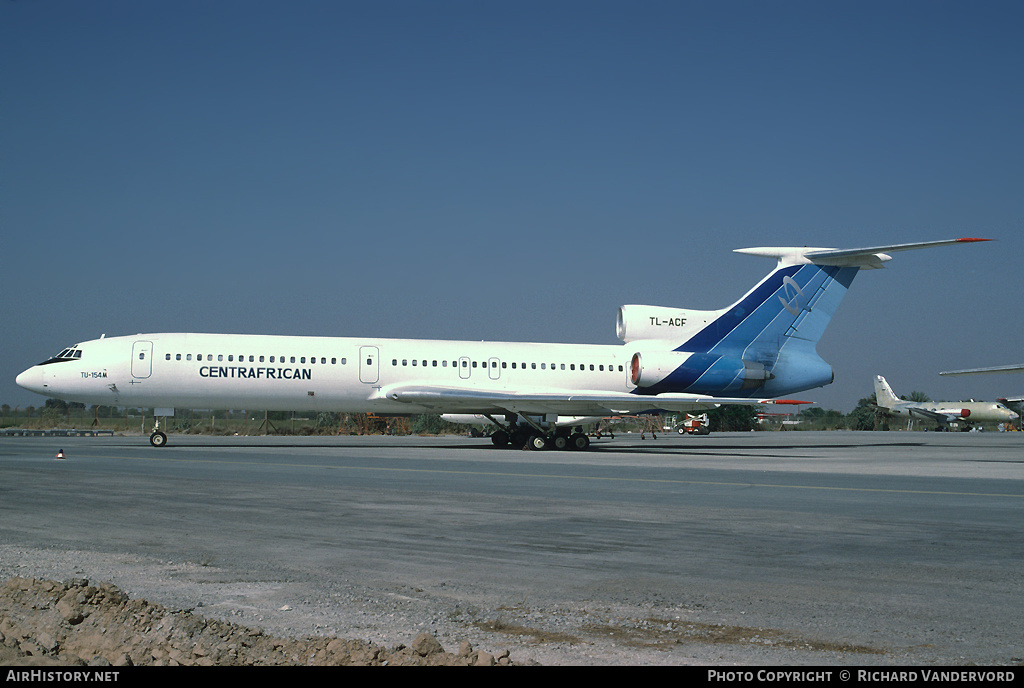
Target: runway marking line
<point>552,476</point>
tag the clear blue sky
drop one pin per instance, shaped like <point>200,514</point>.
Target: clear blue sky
<point>509,170</point>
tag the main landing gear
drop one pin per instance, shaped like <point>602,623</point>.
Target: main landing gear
<point>534,436</point>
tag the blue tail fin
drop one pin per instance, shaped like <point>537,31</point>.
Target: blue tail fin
<point>763,345</point>
<point>792,301</point>
<point>775,327</point>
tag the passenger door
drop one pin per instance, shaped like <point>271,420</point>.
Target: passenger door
<point>369,371</point>
<point>142,360</point>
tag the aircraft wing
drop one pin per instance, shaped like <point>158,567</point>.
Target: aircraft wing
<point>936,416</point>
<point>1012,368</point>
<point>574,403</point>
<point>994,369</point>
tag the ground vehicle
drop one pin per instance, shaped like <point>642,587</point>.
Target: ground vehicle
<point>695,425</point>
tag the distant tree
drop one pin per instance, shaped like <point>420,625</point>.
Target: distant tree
<point>733,418</point>
<point>56,405</point>
<point>817,418</point>
<point>327,422</point>
<point>433,424</point>
<point>919,397</point>
<point>863,416</point>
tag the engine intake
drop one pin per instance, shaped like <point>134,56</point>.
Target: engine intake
<point>633,323</point>
<point>698,373</point>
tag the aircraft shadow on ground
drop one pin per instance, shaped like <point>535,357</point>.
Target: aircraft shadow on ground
<point>599,446</point>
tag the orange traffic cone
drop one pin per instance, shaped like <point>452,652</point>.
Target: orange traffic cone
<point>60,453</point>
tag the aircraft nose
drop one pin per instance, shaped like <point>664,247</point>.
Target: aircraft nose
<point>31,379</point>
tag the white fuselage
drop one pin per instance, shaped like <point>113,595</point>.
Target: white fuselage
<point>285,373</point>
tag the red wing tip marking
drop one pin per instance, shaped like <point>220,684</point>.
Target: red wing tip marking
<point>966,239</point>
<point>787,401</point>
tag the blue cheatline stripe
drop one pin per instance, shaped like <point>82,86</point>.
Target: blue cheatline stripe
<point>685,375</point>
<point>771,320</point>
<point>761,313</point>
<point>716,331</point>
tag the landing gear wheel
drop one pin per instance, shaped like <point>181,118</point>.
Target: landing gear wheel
<point>579,441</point>
<point>499,438</point>
<point>560,442</point>
<point>538,443</point>
<point>158,439</point>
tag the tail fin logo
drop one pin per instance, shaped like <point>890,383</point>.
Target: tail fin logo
<point>793,294</point>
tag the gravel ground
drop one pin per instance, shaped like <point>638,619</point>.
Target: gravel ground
<point>392,618</point>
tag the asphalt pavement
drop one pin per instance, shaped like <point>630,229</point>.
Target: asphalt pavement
<point>896,547</point>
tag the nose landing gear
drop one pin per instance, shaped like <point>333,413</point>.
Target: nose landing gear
<point>158,438</point>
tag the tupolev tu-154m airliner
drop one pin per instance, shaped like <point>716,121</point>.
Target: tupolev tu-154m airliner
<point>762,347</point>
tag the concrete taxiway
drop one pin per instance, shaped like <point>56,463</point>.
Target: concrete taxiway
<point>839,547</point>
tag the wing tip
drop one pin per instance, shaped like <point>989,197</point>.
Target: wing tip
<point>971,239</point>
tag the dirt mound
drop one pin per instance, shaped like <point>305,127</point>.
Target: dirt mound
<point>77,623</point>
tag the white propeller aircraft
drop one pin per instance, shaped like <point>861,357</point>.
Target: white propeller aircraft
<point>943,413</point>
<point>758,349</point>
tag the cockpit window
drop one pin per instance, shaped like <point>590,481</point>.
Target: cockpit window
<point>70,354</point>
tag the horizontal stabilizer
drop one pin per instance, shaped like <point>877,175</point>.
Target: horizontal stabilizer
<point>865,258</point>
